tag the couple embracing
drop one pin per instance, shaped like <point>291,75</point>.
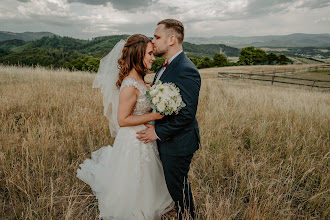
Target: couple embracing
<point>145,173</point>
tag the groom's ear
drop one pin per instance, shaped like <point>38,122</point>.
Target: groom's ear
<point>172,40</point>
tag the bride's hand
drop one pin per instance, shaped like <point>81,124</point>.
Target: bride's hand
<point>157,116</point>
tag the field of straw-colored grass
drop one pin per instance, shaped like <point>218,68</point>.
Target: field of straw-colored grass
<point>265,150</point>
<point>213,72</point>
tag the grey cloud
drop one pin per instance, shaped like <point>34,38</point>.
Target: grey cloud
<point>258,7</point>
<point>172,10</point>
<point>147,28</point>
<point>63,26</point>
<point>228,21</point>
<point>261,7</point>
<point>91,2</point>
<point>122,5</point>
<point>316,4</point>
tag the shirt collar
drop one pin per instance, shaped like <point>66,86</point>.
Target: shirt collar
<point>173,57</point>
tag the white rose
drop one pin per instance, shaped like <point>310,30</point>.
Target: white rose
<point>153,92</point>
<point>172,94</point>
<point>166,91</point>
<point>156,87</point>
<point>166,99</point>
<point>161,107</point>
<point>171,103</point>
<point>158,97</point>
<point>163,96</point>
<point>155,100</point>
<point>178,99</point>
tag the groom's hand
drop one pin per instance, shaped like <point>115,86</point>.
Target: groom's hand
<point>148,134</point>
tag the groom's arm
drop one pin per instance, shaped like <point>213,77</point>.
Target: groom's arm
<point>189,83</point>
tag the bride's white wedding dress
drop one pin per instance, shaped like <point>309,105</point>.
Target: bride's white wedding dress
<point>128,178</point>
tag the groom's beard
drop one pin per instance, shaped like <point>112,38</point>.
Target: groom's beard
<point>160,52</point>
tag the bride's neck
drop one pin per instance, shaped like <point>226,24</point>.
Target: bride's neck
<point>134,74</point>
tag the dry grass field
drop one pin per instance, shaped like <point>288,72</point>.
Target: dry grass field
<point>295,71</point>
<point>213,72</point>
<point>265,149</point>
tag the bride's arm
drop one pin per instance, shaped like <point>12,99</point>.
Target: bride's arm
<point>127,100</point>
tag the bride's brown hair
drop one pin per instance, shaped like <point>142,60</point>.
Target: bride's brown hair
<point>132,57</point>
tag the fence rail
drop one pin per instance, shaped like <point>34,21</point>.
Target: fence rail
<point>265,77</point>
<point>321,67</point>
<point>265,72</point>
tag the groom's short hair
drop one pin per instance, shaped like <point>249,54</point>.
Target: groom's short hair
<point>175,26</point>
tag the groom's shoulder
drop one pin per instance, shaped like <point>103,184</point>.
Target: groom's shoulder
<point>188,65</point>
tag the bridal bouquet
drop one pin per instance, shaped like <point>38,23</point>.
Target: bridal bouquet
<point>165,98</point>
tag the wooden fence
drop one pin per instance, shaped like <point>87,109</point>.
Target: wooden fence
<point>321,67</point>
<point>271,76</point>
<point>265,72</point>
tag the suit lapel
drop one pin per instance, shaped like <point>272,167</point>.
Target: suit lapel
<point>171,66</point>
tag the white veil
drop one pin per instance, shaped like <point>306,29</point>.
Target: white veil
<point>106,79</point>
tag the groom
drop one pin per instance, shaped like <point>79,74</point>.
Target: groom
<point>177,135</point>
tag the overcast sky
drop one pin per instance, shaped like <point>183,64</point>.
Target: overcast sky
<point>202,18</point>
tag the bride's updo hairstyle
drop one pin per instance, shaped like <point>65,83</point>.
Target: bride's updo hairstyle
<point>132,57</point>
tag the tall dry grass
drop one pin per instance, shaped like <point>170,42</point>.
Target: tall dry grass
<point>213,72</point>
<point>265,150</point>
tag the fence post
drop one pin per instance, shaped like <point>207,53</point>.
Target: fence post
<point>313,84</point>
<point>273,78</point>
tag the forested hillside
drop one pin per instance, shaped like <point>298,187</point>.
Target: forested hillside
<point>79,54</point>
<point>76,54</point>
<point>201,50</point>
<point>26,36</point>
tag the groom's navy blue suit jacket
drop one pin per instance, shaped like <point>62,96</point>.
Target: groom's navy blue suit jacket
<point>179,133</point>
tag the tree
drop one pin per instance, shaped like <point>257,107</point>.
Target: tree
<point>283,60</point>
<point>206,62</point>
<point>157,63</point>
<point>219,60</point>
<point>4,52</point>
<point>260,57</point>
<point>252,56</point>
<point>91,64</point>
<point>194,60</point>
<point>273,58</point>
<point>246,56</point>
<point>77,64</point>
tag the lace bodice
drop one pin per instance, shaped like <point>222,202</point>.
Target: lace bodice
<point>142,104</point>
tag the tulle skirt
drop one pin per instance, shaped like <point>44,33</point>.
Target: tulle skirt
<point>127,179</point>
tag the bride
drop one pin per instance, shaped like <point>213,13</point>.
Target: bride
<point>128,178</point>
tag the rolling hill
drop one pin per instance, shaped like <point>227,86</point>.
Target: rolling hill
<point>26,36</point>
<point>292,40</point>
<point>71,53</point>
<point>100,46</point>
